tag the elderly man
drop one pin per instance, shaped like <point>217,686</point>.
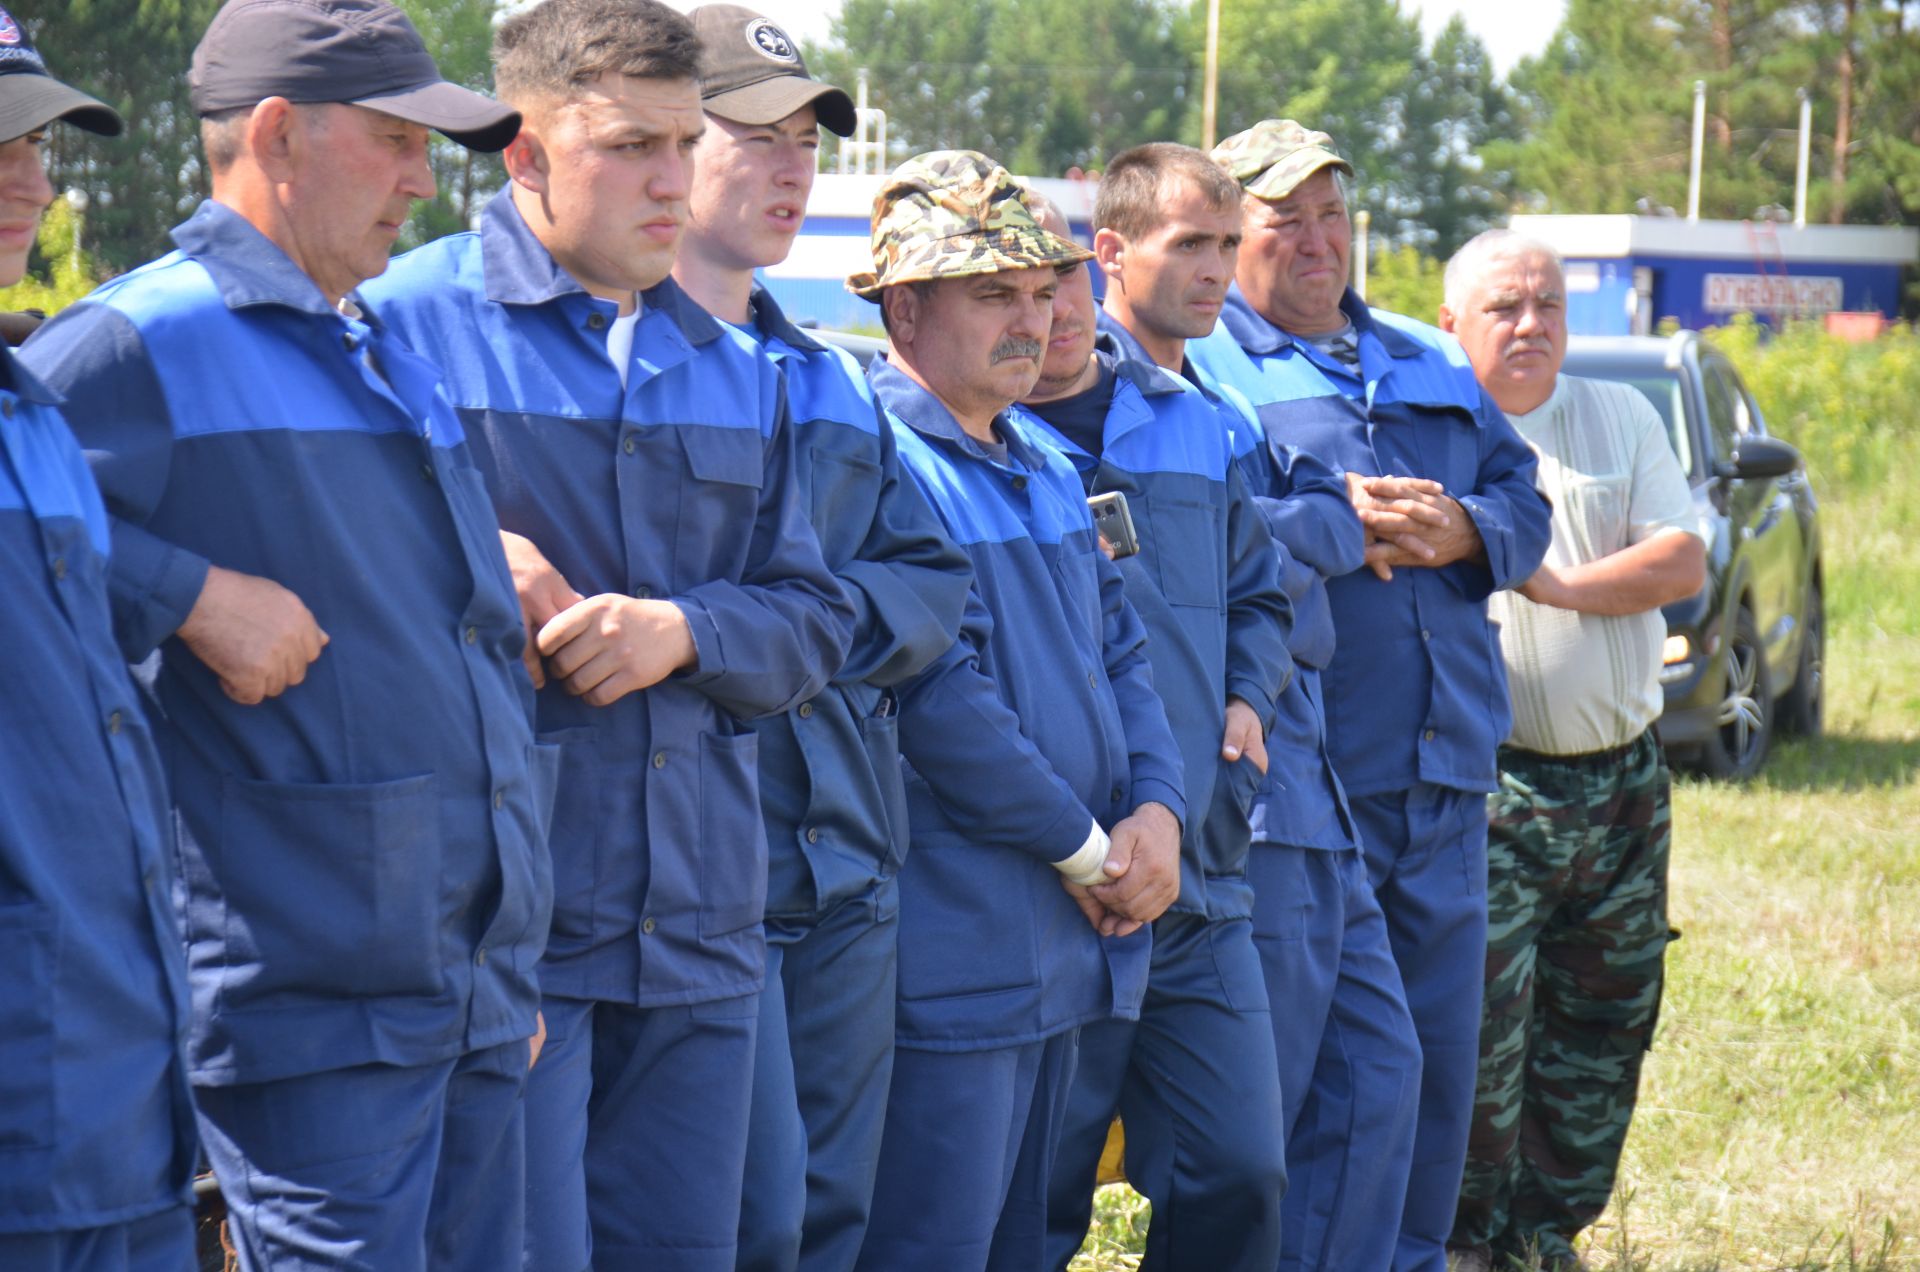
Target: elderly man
<point>1195,1078</point>
<point>1044,787</point>
<point>640,454</point>
<point>831,789</point>
<point>1415,695</point>
<point>1577,850</point>
<point>299,529</point>
<point>1168,231</point>
<point>98,1150</point>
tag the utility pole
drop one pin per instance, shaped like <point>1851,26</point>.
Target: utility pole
<point>1210,88</point>
<point>1699,133</point>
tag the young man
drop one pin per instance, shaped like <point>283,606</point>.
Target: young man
<point>300,531</point>
<point>639,454</point>
<point>1168,233</point>
<point>831,789</point>
<point>1034,736</point>
<point>98,1151</point>
<point>1194,1079</point>
<point>1577,849</point>
<point>1416,700</point>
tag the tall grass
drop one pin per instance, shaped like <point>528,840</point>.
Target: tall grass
<point>1779,1117</point>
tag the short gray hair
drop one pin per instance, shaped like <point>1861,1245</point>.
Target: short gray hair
<point>1482,249</point>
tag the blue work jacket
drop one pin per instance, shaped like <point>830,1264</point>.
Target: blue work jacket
<point>96,1126</point>
<point>1041,720</point>
<point>831,789</point>
<point>1206,584</point>
<point>362,857</point>
<point>678,486</point>
<point>1416,690</point>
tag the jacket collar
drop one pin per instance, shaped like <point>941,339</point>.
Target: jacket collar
<point>247,267</point>
<point>921,411</point>
<point>1252,332</point>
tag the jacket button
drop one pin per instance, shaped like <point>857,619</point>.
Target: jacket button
<point>642,593</point>
<point>1019,483</point>
<point>626,444</point>
<point>6,407</point>
<point>1093,681</point>
<point>480,956</point>
<point>113,722</point>
<point>659,759</point>
<point>426,470</point>
<point>646,926</point>
<point>499,799</point>
<point>1425,634</point>
<point>346,339</point>
<point>1117,793</point>
<point>1429,735</point>
<point>806,711</point>
<point>813,834</point>
<point>59,567</point>
<point>596,321</point>
<point>473,634</point>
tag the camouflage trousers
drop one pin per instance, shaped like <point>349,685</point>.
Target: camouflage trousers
<point>1576,937</point>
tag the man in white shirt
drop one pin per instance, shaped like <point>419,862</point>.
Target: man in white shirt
<point>1577,846</point>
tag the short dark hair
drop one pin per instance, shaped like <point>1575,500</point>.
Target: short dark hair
<point>560,45</point>
<point>1133,193</point>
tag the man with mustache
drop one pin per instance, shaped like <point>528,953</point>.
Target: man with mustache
<point>98,1151</point>
<point>639,453</point>
<point>1044,786</point>
<point>831,790</point>
<point>1195,1078</point>
<point>1577,849</point>
<point>299,530</point>
<point>1415,696</point>
<point>1168,236</point>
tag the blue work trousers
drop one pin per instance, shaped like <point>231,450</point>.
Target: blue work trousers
<point>1349,1059</point>
<point>637,1135</point>
<point>374,1168</point>
<point>156,1243</point>
<point>967,1156</point>
<point>1197,1087</point>
<point>824,1062</point>
<point>1426,850</point>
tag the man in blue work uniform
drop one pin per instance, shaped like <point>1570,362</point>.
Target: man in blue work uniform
<point>1169,227</point>
<point>299,529</point>
<point>1194,1079</point>
<point>640,456</point>
<point>98,1151</point>
<point>1044,786</point>
<point>1415,695</point>
<point>831,789</point>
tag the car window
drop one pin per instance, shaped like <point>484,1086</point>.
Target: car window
<point>1723,413</point>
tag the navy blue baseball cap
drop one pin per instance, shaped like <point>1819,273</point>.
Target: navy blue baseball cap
<point>31,99</point>
<point>360,52</point>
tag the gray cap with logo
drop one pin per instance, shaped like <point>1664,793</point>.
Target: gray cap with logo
<point>30,98</point>
<point>752,72</point>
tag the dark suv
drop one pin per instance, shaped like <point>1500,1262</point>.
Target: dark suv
<point>1744,655</point>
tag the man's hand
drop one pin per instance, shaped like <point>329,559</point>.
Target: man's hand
<point>255,635</point>
<point>1411,521</point>
<point>1104,921</point>
<point>1144,859</point>
<point>1244,738</point>
<point>543,594</point>
<point>608,646</point>
<point>539,1040</point>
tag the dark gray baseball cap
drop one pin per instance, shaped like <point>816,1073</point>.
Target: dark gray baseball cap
<point>361,52</point>
<point>752,72</point>
<point>30,98</point>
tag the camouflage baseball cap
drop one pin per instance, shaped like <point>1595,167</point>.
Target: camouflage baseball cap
<point>1275,155</point>
<point>953,214</point>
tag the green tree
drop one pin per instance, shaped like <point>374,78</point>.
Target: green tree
<point>459,33</point>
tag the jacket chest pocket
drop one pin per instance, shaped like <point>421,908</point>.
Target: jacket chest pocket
<point>845,489</point>
<point>1186,543</point>
<point>1446,438</point>
<point>331,889</point>
<point>719,502</point>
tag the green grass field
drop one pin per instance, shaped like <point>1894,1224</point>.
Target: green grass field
<point>1779,1118</point>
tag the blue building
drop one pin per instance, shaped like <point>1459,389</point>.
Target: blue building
<point>1627,274</point>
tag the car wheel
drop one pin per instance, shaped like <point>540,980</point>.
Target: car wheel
<point>1738,745</point>
<point>1802,707</point>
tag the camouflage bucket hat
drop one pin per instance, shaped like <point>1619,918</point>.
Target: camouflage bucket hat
<point>953,214</point>
<point>1275,155</point>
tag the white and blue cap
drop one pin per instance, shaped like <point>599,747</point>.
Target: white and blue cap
<point>30,98</point>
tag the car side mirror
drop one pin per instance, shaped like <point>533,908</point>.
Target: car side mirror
<point>1758,458</point>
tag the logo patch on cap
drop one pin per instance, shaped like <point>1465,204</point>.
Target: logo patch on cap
<point>771,41</point>
<point>9,29</point>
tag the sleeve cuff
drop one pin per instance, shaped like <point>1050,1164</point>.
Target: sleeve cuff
<point>1255,696</point>
<point>1151,790</point>
<point>707,662</point>
<point>1085,866</point>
